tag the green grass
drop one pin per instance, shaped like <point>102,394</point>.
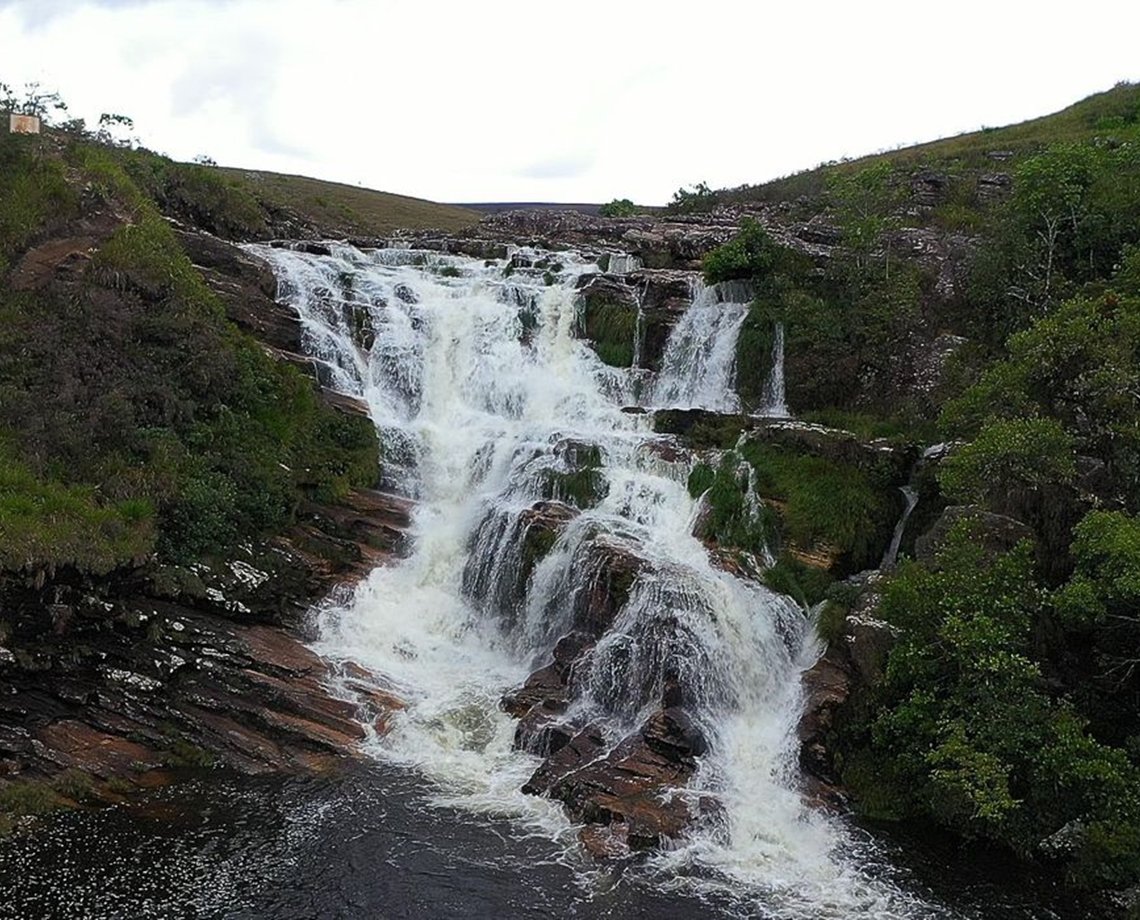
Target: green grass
<point>611,328</point>
<point>1115,112</point>
<point>347,210</point>
<point>49,523</point>
<point>24,798</point>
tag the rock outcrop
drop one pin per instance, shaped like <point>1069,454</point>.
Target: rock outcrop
<point>160,666</point>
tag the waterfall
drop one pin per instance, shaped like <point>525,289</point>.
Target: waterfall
<point>622,263</point>
<point>698,370</point>
<point>775,399</point>
<point>892,554</point>
<point>494,416</point>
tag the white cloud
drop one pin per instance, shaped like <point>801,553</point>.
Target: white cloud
<point>526,101</point>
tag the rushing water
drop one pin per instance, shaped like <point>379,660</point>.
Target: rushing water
<point>486,403</point>
<point>890,557</point>
<point>775,395</point>
<point>368,846</point>
<point>698,370</point>
<point>484,398</point>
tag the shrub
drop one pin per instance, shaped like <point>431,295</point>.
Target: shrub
<point>619,207</point>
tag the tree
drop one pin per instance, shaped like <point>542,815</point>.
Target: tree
<point>699,198</point>
<point>114,130</point>
<point>864,204</point>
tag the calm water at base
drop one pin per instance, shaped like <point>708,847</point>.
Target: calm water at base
<point>365,845</point>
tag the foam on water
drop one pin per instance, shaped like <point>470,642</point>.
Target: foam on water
<point>480,393</point>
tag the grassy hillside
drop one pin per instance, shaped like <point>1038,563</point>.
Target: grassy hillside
<point>1098,114</point>
<point>348,210</point>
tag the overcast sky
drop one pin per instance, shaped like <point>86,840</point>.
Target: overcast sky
<point>580,101</point>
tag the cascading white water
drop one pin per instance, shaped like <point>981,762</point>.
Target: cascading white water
<point>485,400</point>
<point>698,370</point>
<point>890,557</point>
<point>775,395</point>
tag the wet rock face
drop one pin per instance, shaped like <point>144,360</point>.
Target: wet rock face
<point>827,685</point>
<point>628,794</point>
<point>137,681</point>
<point>175,666</point>
<point>627,790</point>
<point>248,289</point>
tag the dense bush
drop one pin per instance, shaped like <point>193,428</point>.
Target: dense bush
<point>1079,366</point>
<point>966,732</point>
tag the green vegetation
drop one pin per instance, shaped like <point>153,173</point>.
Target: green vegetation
<point>582,484</point>
<point>619,207</point>
<point>808,585</point>
<point>991,752</point>
<point>736,516</point>
<point>170,431</point>
<point>839,322</point>
<point>1008,707</point>
<point>762,496</point>
<point>967,155</point>
<point>346,210</point>
<point>24,799</point>
<point>611,328</point>
<point>1009,456</point>
<point>826,503</point>
<point>688,200</point>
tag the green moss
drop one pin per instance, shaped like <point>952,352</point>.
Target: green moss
<point>826,502</point>
<point>755,353</point>
<point>611,329</point>
<point>735,517</point>
<point>537,544</point>
<point>831,621</point>
<point>699,430</point>
<point>583,488</point>
<point>869,426</point>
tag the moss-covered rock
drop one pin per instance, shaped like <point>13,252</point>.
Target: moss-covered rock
<point>607,318</point>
